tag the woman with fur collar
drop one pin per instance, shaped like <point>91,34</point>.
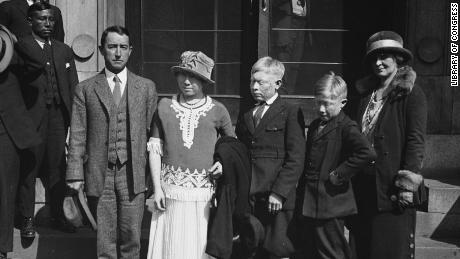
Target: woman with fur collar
<point>392,113</point>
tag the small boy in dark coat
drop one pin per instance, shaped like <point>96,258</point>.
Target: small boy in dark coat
<point>335,151</point>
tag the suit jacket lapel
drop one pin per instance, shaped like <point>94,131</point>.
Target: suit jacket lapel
<point>133,99</point>
<point>362,108</point>
<point>272,111</point>
<point>102,90</point>
<point>331,125</point>
<point>32,50</point>
<point>249,121</point>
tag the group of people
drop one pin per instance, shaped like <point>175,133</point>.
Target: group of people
<point>260,190</point>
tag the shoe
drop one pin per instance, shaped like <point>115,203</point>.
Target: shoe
<point>63,225</point>
<point>27,227</point>
<point>2,255</point>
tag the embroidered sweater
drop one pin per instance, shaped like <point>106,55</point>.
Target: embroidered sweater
<point>189,134</point>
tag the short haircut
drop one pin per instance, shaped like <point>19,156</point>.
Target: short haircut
<point>333,83</point>
<point>268,65</point>
<point>37,7</point>
<point>117,29</point>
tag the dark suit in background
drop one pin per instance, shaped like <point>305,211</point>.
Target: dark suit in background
<point>277,149</point>
<point>47,84</point>
<point>16,134</point>
<point>13,14</point>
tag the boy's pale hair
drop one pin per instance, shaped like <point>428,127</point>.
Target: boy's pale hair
<point>333,83</point>
<point>268,65</point>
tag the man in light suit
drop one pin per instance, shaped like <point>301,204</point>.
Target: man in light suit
<point>111,117</point>
<point>48,77</point>
<point>13,14</point>
<point>274,132</point>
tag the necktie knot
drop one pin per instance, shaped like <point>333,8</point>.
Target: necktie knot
<point>116,79</point>
<point>258,113</point>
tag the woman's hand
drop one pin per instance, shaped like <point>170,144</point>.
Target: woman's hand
<point>216,170</point>
<point>159,200</point>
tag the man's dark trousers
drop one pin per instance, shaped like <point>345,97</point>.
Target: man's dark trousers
<point>47,160</point>
<point>9,177</point>
<point>322,238</point>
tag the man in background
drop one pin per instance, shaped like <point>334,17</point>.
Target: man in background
<point>48,79</point>
<point>13,14</point>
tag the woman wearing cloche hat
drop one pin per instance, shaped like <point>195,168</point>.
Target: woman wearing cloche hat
<point>181,148</point>
<point>392,113</point>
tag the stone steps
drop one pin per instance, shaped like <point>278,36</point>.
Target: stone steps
<point>437,225</point>
<point>51,244</point>
<point>426,248</point>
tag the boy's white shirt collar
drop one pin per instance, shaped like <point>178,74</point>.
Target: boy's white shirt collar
<point>266,105</point>
<point>123,76</point>
<point>272,99</point>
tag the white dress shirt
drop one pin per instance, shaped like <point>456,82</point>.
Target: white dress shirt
<point>123,76</point>
<point>267,105</point>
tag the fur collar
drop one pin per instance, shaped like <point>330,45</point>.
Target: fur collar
<point>401,85</point>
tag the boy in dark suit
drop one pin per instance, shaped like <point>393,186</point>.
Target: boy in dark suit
<point>335,151</point>
<point>274,133</point>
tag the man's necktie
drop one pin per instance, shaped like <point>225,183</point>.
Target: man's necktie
<point>117,90</point>
<point>258,114</point>
<point>321,126</point>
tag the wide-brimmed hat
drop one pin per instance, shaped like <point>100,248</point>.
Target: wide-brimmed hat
<point>76,209</point>
<point>387,41</point>
<point>7,40</point>
<point>196,63</point>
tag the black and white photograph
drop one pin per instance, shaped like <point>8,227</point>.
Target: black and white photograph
<point>229,129</point>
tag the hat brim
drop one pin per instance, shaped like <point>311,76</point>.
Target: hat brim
<point>405,53</point>
<point>6,51</point>
<point>176,69</point>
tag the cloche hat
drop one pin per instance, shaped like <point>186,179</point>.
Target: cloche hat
<point>7,40</point>
<point>387,41</point>
<point>197,63</point>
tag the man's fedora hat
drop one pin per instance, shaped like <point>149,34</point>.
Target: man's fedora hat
<point>196,63</point>
<point>388,42</point>
<point>7,40</point>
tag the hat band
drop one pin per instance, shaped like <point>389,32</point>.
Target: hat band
<point>385,44</point>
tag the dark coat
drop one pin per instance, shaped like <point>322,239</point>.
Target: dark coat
<point>232,195</point>
<point>398,138</point>
<point>13,114</point>
<point>339,147</point>
<point>277,149</point>
<point>34,79</point>
<point>13,14</point>
<point>89,131</point>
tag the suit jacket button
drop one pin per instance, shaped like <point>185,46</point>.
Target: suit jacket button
<point>373,162</point>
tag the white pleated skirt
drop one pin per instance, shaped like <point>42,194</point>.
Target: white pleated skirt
<point>180,232</point>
